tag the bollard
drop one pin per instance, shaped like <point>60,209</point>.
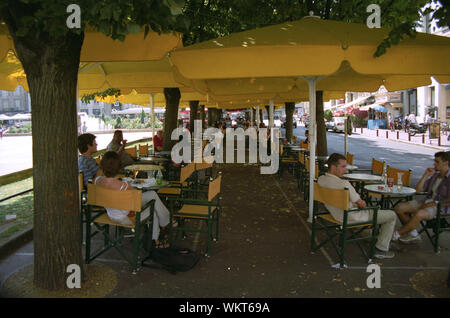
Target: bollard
<point>361,130</point>
<point>423,138</point>
<point>409,137</point>
<point>377,132</point>
<point>398,134</point>
<point>439,140</point>
<point>387,134</point>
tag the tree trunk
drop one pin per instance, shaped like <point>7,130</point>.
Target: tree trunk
<point>290,108</point>
<point>193,106</point>
<point>322,147</point>
<point>172,96</point>
<point>52,71</point>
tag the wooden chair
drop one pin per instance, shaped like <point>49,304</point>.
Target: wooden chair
<point>176,188</point>
<point>393,173</point>
<point>304,145</point>
<point>350,158</point>
<point>130,200</point>
<point>143,150</point>
<point>343,231</point>
<point>286,161</point>
<point>433,228</point>
<point>132,152</point>
<point>207,210</point>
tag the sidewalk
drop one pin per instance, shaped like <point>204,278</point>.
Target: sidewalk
<point>263,251</point>
<point>402,136</point>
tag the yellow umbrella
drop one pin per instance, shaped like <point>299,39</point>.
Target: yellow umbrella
<point>99,55</point>
<point>98,47</point>
<point>312,49</point>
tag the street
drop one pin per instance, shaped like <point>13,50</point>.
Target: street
<point>398,155</point>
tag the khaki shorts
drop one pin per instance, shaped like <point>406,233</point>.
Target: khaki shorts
<point>432,210</point>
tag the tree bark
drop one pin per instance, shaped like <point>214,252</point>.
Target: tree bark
<point>52,72</point>
<point>322,147</point>
<point>290,108</point>
<point>193,106</point>
<point>172,96</point>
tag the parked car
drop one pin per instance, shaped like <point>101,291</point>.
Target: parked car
<point>329,125</point>
<point>338,124</point>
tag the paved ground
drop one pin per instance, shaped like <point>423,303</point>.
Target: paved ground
<point>264,252</point>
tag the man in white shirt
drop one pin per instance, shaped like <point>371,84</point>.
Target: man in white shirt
<point>337,164</point>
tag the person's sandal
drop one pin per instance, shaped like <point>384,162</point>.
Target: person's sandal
<point>161,244</point>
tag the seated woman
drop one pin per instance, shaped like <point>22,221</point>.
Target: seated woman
<point>110,164</point>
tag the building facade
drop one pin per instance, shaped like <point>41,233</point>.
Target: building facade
<point>17,102</point>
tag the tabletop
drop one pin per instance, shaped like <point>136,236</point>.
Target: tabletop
<point>153,159</point>
<point>144,167</point>
<point>383,189</point>
<point>147,184</point>
<point>362,177</point>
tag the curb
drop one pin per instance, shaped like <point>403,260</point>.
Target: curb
<point>442,148</point>
<point>16,241</point>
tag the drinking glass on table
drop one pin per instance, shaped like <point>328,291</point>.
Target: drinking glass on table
<point>135,173</point>
<point>390,183</point>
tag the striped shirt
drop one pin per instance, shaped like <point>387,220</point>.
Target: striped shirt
<point>88,166</point>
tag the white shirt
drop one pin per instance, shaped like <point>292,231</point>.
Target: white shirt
<point>331,181</point>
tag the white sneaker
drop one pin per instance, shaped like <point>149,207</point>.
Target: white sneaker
<point>395,236</point>
<point>410,239</point>
<point>382,254</point>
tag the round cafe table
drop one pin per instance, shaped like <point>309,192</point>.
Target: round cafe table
<point>390,195</point>
<point>360,179</point>
<point>153,159</point>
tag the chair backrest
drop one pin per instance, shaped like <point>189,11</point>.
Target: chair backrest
<point>281,149</point>
<point>214,188</point>
<point>377,166</point>
<point>316,169</point>
<point>143,150</point>
<point>393,173</point>
<point>304,145</point>
<point>204,165</point>
<point>336,198</point>
<point>132,151</point>
<point>294,139</point>
<point>350,158</point>
<point>80,182</point>
<point>186,171</point>
<point>301,157</point>
<point>130,200</point>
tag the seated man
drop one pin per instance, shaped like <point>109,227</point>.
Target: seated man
<point>158,141</point>
<point>436,183</point>
<point>86,164</point>
<point>386,218</point>
<point>118,144</point>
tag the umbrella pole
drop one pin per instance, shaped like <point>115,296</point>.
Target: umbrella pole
<point>271,114</point>
<point>345,137</point>
<point>312,81</point>
<point>153,121</point>
<point>257,116</point>
<point>251,117</point>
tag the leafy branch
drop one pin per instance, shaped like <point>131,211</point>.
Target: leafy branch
<point>107,92</point>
